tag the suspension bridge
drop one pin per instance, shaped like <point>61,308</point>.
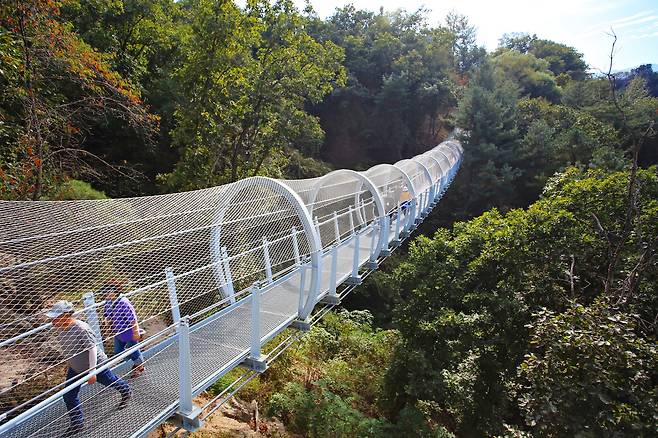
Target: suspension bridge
<point>220,278</point>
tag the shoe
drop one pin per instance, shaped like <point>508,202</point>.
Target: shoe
<point>73,430</point>
<point>125,398</point>
<point>137,371</point>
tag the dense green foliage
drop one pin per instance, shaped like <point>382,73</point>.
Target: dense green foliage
<point>506,315</point>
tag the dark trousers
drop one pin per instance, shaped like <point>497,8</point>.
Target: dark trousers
<point>120,346</point>
<point>72,399</point>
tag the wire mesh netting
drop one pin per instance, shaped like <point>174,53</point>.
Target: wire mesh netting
<point>192,253</point>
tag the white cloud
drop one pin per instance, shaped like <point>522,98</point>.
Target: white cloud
<point>642,17</point>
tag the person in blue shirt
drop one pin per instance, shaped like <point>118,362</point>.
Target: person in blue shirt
<point>121,314</point>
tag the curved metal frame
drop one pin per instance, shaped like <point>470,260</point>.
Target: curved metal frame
<point>410,187</point>
<point>376,196</point>
<point>379,203</point>
<point>435,184</point>
<point>427,174</point>
<point>444,178</point>
<point>445,147</point>
<point>424,169</point>
<point>304,216</point>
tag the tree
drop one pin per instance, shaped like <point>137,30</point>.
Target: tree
<point>556,137</point>
<point>466,54</point>
<point>518,41</point>
<point>487,113</point>
<point>399,90</point>
<point>562,59</point>
<point>470,308</point>
<point>245,80</point>
<point>62,85</point>
<point>565,62</point>
<point>530,73</point>
<point>588,372</point>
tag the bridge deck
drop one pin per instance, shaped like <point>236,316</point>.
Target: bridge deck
<point>217,345</point>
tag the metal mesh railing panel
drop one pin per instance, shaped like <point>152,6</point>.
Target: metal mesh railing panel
<point>391,183</point>
<point>417,173</point>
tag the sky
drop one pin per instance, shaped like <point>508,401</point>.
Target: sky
<point>579,23</point>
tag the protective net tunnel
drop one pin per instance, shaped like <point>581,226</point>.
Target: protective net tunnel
<point>212,275</point>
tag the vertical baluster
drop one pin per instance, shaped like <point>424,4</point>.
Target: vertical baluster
<point>173,295</point>
<point>184,367</point>
<point>228,276</point>
<point>267,260</point>
<point>336,227</point>
<point>355,278</point>
<point>302,285</point>
<point>295,246</point>
<point>334,271</point>
<point>255,323</point>
<point>373,242</point>
<point>350,212</point>
<point>92,318</point>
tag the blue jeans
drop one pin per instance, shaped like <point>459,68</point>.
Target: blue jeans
<point>72,399</point>
<point>120,346</point>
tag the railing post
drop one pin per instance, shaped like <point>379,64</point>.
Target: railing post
<point>355,278</point>
<point>415,219</point>
<point>295,246</point>
<point>383,238</point>
<point>398,219</point>
<point>92,318</point>
<point>256,361</point>
<point>334,271</point>
<point>423,199</point>
<point>372,261</point>
<point>188,414</point>
<point>255,323</point>
<point>332,297</point>
<point>266,258</point>
<point>302,285</point>
<point>230,291</point>
<point>184,366</point>
<point>173,296</point>
<point>336,227</point>
<point>351,214</point>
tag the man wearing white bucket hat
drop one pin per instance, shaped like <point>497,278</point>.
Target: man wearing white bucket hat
<point>80,347</point>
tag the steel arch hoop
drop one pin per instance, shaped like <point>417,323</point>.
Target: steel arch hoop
<point>434,188</point>
<point>410,187</point>
<point>441,151</point>
<point>431,158</point>
<point>358,175</point>
<point>432,153</point>
<point>406,178</point>
<point>364,180</point>
<point>453,148</point>
<point>296,202</point>
<point>425,169</point>
<point>443,147</point>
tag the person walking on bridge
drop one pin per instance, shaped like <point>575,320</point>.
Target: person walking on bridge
<point>80,346</point>
<point>120,312</point>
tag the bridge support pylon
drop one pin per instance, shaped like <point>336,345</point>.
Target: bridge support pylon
<point>256,360</point>
<point>188,416</point>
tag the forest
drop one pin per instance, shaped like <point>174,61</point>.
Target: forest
<point>527,303</point>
